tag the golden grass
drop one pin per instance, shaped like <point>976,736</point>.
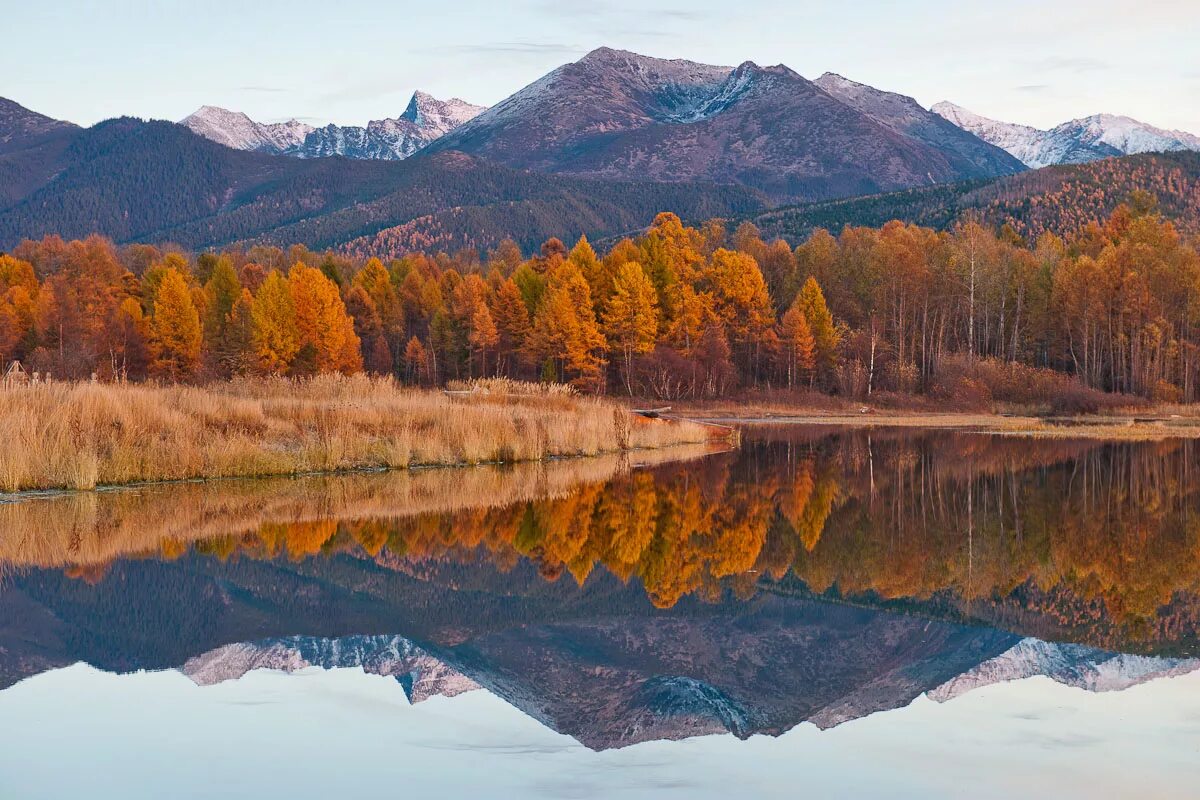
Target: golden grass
<point>84,435</point>
<point>86,529</point>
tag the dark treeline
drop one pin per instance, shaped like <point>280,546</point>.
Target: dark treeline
<point>968,315</point>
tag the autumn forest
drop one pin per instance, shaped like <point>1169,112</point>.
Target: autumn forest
<point>968,316</point>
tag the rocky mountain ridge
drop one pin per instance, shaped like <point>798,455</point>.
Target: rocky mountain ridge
<point>424,119</point>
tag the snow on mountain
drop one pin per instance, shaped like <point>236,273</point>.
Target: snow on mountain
<point>439,116</point>
<point>425,119</point>
<point>733,88</point>
<point>1128,135</point>
<point>617,115</point>
<point>1035,148</point>
<point>421,675</point>
<point>1074,142</point>
<point>235,129</point>
<point>1069,664</point>
<point>614,90</point>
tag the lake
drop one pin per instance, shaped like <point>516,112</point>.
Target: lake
<point>822,612</point>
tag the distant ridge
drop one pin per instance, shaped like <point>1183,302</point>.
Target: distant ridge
<point>1076,141</point>
<point>425,119</point>
<point>206,194</point>
<point>235,129</point>
<point>596,146</point>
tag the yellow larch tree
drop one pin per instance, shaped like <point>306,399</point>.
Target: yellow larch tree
<point>176,329</point>
<point>322,322</point>
<point>799,345</point>
<point>565,332</point>
<point>811,303</point>
<point>631,318</point>
<point>273,338</point>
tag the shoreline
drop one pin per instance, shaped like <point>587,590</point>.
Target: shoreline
<point>1130,427</point>
<point>681,451</point>
<point>90,528</point>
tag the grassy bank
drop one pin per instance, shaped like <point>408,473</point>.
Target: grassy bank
<point>83,435</point>
<point>90,529</point>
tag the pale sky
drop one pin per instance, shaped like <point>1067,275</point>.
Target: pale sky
<point>349,61</point>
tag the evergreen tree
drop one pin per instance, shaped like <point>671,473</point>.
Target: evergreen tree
<point>221,293</point>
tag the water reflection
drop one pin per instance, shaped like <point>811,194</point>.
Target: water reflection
<point>809,576</point>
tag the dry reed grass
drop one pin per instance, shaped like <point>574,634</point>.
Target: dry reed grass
<point>89,529</point>
<point>84,435</point>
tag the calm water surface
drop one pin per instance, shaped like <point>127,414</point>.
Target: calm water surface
<point>821,612</point>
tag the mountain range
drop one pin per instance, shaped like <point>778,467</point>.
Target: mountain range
<point>596,147</point>
<point>134,180</point>
<point>616,115</point>
<point>618,92</point>
<point>426,118</point>
<point>633,707</point>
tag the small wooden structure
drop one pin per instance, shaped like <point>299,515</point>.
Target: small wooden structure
<point>15,375</point>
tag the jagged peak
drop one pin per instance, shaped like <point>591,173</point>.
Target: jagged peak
<point>205,112</point>
<point>427,111</point>
<point>784,70</point>
<point>946,107</point>
<point>238,130</point>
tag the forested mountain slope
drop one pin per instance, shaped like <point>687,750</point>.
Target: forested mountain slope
<point>156,181</point>
<point>1061,199</point>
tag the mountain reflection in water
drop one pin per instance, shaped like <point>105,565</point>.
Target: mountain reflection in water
<point>810,575</point>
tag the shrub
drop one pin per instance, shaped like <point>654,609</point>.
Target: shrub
<point>982,382</point>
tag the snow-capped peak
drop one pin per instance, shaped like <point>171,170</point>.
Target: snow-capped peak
<point>235,129</point>
<point>1072,142</point>
<point>1069,664</point>
<point>420,674</point>
<point>965,118</point>
<point>1128,135</point>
